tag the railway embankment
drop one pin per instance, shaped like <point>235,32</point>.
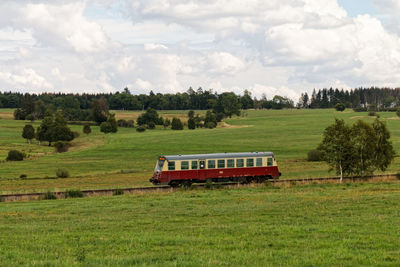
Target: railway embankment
<point>154,189</point>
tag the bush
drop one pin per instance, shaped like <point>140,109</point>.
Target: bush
<point>62,173</point>
<point>105,127</point>
<point>62,146</point>
<point>29,117</point>
<point>49,195</point>
<point>86,129</point>
<point>23,176</point>
<point>150,115</point>
<point>359,109</point>
<point>76,134</point>
<point>121,123</point>
<point>191,124</point>
<point>130,124</point>
<point>141,129</point>
<point>340,107</point>
<point>15,155</point>
<point>118,192</point>
<point>176,124</point>
<point>151,125</point>
<point>371,113</point>
<point>315,155</point>
<point>73,193</point>
<point>109,126</point>
<point>210,125</point>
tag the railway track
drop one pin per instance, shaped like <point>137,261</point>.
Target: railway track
<point>141,190</point>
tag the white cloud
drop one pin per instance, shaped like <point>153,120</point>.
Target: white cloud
<point>151,46</point>
<point>273,47</point>
<point>26,79</point>
<point>224,63</point>
<point>141,84</point>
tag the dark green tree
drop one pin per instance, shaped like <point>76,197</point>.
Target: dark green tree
<point>340,107</point>
<point>246,101</point>
<point>210,120</point>
<point>60,130</point>
<point>28,133</point>
<point>105,127</point>
<point>191,114</point>
<point>150,115</point>
<point>44,131</point>
<point>109,126</point>
<point>166,123</point>
<point>86,129</point>
<point>99,110</point>
<point>227,104</point>
<point>191,124</point>
<point>176,124</point>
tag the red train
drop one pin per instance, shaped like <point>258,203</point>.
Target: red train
<point>244,167</point>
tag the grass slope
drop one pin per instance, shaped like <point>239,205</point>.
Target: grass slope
<point>127,158</point>
<point>315,225</point>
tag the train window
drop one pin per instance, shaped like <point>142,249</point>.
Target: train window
<point>230,163</point>
<point>171,165</point>
<point>250,162</point>
<point>185,165</point>
<point>240,163</point>
<point>221,163</point>
<point>211,164</point>
<point>270,162</point>
<point>259,162</point>
<point>194,165</point>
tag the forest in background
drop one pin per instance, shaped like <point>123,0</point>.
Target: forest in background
<point>361,98</point>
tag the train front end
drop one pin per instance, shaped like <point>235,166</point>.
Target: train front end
<point>156,178</point>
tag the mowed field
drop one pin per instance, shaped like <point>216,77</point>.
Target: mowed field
<point>313,225</point>
<point>127,158</point>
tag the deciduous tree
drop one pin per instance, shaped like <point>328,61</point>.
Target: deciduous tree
<point>28,133</point>
<point>337,147</point>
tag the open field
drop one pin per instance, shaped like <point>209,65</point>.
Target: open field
<point>127,158</point>
<point>314,225</point>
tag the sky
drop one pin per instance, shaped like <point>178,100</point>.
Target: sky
<point>282,47</point>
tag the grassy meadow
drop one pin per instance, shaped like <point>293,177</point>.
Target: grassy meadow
<point>127,158</point>
<point>313,225</point>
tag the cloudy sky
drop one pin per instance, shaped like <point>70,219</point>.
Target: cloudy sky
<point>273,47</point>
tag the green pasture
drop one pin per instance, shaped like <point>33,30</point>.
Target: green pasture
<point>127,158</point>
<point>314,225</point>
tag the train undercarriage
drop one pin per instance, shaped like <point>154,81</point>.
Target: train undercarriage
<point>240,180</point>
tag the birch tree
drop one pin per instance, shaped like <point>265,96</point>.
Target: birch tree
<point>337,148</point>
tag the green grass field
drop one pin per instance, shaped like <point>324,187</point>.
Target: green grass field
<point>127,158</point>
<point>313,225</point>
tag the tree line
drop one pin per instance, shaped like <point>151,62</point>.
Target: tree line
<point>359,99</point>
<point>73,104</point>
<point>76,107</point>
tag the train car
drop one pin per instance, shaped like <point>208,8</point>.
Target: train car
<point>175,170</point>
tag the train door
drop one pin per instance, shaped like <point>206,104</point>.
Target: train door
<point>202,166</point>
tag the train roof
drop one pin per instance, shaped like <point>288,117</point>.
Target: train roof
<point>220,155</point>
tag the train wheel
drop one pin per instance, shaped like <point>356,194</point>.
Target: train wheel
<point>187,184</point>
<point>174,184</point>
<point>242,180</point>
<point>261,179</point>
